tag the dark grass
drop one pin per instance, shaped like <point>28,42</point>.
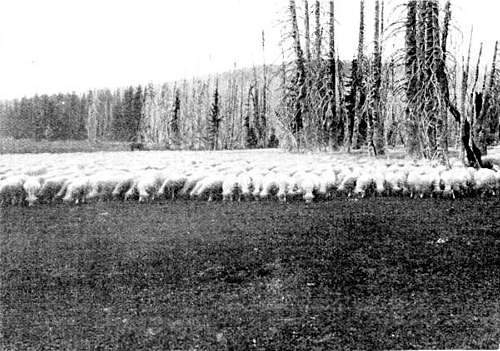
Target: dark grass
<point>25,146</point>
<point>367,274</point>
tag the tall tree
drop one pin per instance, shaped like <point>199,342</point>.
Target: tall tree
<point>298,83</point>
<point>375,122</point>
<point>214,119</point>
<point>359,81</point>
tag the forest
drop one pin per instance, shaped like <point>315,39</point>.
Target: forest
<point>405,87</point>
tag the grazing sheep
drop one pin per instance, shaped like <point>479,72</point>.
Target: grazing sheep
<point>32,187</point>
<point>230,186</point>
<point>244,186</point>
<point>349,178</point>
<point>270,185</point>
<point>192,180</point>
<point>327,183</point>
<point>364,183</point>
<point>257,184</point>
<point>395,181</point>
<point>456,181</point>
<point>103,184</point>
<point>148,185</point>
<point>123,186</point>
<point>77,190</point>
<point>173,182</point>
<point>51,187</point>
<point>12,191</point>
<point>485,181</point>
<point>210,185</point>
<point>308,184</point>
<point>424,181</point>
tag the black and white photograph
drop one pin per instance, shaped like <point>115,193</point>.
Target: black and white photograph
<point>249,175</point>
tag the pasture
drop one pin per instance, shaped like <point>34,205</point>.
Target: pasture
<point>345,274</point>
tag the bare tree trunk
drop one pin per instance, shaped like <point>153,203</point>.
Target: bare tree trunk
<point>317,32</point>
<point>482,123</point>
<point>359,81</point>
<point>376,135</point>
<point>297,123</point>
<point>330,123</point>
<point>307,31</point>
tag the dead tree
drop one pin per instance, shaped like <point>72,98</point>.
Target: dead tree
<point>359,80</point>
<point>300,73</point>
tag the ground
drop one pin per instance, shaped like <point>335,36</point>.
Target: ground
<point>369,274</point>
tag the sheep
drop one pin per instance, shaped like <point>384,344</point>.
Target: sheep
<point>103,184</point>
<point>192,181</point>
<point>348,181</point>
<point>308,184</point>
<point>123,186</point>
<point>424,181</point>
<point>257,183</point>
<point>211,185</point>
<point>485,181</point>
<point>456,181</point>
<point>244,185</point>
<point>230,186</point>
<point>270,185</point>
<point>32,187</point>
<point>173,182</point>
<point>364,182</point>
<point>148,185</point>
<point>327,183</point>
<point>395,181</point>
<point>11,190</point>
<point>286,186</point>
<point>51,187</point>
<point>77,189</point>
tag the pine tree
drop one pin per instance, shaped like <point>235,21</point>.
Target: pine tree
<point>214,119</point>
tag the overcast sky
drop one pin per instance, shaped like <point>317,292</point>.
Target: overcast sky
<point>48,46</point>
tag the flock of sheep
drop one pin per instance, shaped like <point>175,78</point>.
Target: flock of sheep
<point>233,175</point>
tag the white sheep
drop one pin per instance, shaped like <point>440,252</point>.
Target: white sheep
<point>32,187</point>
<point>348,178</point>
<point>456,181</point>
<point>51,187</point>
<point>257,183</point>
<point>148,185</point>
<point>244,185</point>
<point>173,182</point>
<point>192,180</point>
<point>11,190</point>
<point>364,183</point>
<point>485,181</point>
<point>327,183</point>
<point>77,190</point>
<point>210,185</point>
<point>424,181</point>
<point>308,184</point>
<point>230,186</point>
<point>270,185</point>
<point>396,181</point>
<point>123,186</point>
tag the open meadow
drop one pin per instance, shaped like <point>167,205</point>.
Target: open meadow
<point>386,273</point>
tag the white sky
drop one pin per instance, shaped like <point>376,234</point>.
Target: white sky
<point>49,46</point>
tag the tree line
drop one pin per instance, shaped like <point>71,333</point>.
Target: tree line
<point>418,96</point>
<point>226,111</point>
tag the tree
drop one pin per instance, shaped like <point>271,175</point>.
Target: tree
<point>358,81</point>
<point>214,119</point>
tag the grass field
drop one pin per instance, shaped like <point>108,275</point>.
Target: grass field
<point>370,274</point>
<point>22,146</point>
